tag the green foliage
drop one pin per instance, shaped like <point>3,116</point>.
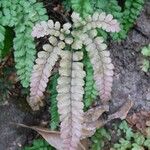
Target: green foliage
<point>54,122</point>
<point>146,62</point>
<point>39,144</point>
<point>131,140</point>
<point>90,88</point>
<point>126,16</point>
<point>83,7</point>
<point>99,138</point>
<point>108,6</point>
<point>21,15</point>
<point>130,13</point>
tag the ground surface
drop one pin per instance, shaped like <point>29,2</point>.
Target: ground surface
<point>129,83</point>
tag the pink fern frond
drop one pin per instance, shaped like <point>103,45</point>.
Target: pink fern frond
<point>103,68</point>
<point>50,28</point>
<point>41,72</point>
<point>70,93</point>
<point>97,20</point>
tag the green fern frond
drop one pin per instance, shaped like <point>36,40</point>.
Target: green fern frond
<point>130,13</point>
<point>90,88</point>
<point>54,122</point>
<point>24,56</point>
<point>83,7</point>
<point>21,15</point>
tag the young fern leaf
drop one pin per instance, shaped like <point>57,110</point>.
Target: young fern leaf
<point>103,68</point>
<point>70,93</point>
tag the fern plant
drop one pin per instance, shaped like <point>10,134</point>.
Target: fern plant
<point>21,15</point>
<point>146,62</point>
<point>67,43</point>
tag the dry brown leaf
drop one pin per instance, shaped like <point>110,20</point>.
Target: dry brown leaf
<point>140,120</point>
<point>52,137</point>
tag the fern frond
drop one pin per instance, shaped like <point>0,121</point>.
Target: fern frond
<point>54,122</point>
<point>97,20</point>
<point>130,13</point>
<point>41,73</point>
<point>101,20</point>
<point>70,93</point>
<point>90,87</point>
<point>103,68</point>
<point>83,7</point>
<point>24,56</point>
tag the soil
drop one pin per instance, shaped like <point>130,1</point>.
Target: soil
<point>130,82</point>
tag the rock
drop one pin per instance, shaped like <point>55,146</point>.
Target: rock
<point>10,138</point>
